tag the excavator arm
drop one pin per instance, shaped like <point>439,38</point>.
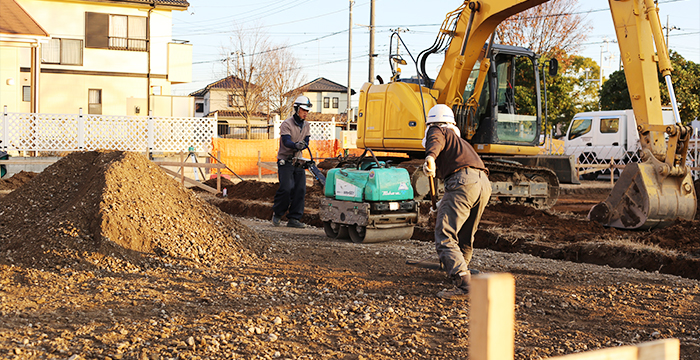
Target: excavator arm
<point>660,189</point>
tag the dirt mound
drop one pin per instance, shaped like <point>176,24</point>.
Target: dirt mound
<point>116,210</point>
<point>265,191</point>
<point>225,182</point>
<point>551,226</point>
<point>681,236</point>
<point>16,180</point>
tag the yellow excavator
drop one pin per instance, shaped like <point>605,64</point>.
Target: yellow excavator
<point>477,80</point>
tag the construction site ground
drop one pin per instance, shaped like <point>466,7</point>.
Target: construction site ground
<point>103,256</point>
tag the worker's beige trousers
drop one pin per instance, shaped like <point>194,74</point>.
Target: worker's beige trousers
<point>467,193</point>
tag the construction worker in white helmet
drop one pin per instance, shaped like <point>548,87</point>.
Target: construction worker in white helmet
<point>467,192</point>
<point>294,138</point>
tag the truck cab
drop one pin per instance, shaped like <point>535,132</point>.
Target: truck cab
<point>602,135</point>
<point>598,137</point>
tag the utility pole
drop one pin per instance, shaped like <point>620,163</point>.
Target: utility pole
<point>668,29</point>
<point>371,41</point>
<point>398,43</point>
<point>349,106</point>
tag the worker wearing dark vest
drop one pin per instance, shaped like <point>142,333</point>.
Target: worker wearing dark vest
<point>294,137</point>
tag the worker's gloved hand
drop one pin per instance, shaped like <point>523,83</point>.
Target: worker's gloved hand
<point>300,145</point>
<point>429,166</point>
<point>437,206</point>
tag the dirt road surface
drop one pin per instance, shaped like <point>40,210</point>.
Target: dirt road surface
<point>105,257</point>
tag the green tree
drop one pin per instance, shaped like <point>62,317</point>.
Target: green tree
<point>614,94</point>
<point>686,85</point>
<point>569,92</point>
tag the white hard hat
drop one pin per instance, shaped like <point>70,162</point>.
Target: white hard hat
<point>440,113</point>
<point>302,102</point>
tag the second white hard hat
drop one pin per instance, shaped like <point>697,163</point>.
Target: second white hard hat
<point>440,113</point>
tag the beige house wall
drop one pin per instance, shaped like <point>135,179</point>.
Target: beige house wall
<point>121,75</point>
<point>10,78</point>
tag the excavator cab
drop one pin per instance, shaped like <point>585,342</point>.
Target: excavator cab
<point>508,116</point>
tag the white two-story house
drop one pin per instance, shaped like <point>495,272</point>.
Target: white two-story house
<point>109,57</point>
<point>327,97</point>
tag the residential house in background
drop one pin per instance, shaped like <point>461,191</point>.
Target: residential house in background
<point>327,97</point>
<point>20,36</point>
<point>223,99</point>
<point>113,57</point>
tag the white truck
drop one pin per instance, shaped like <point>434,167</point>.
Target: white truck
<point>596,137</point>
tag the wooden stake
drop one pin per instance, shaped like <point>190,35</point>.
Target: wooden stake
<point>666,349</point>
<point>492,317</point>
<point>182,169</point>
<point>218,173</point>
<point>259,167</point>
<point>617,353</point>
<point>612,171</point>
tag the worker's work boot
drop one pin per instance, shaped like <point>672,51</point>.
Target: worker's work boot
<point>276,220</point>
<point>295,224</point>
<point>460,290</point>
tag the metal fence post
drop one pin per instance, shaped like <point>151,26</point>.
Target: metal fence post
<point>5,125</point>
<point>150,136</point>
<point>81,130</point>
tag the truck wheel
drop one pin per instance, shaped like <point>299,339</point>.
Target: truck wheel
<point>335,231</point>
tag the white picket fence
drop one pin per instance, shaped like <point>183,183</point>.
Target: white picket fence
<point>77,132</point>
<point>606,155</point>
<point>320,130</point>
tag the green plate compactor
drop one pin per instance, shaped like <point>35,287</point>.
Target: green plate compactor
<point>368,204</point>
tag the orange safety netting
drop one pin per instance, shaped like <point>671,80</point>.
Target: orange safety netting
<point>241,156</point>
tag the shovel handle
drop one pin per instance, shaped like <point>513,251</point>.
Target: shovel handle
<point>433,196</point>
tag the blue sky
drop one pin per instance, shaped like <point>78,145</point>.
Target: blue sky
<point>316,32</point>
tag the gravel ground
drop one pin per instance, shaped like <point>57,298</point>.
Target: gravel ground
<point>276,292</point>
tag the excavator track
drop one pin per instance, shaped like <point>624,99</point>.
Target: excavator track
<point>513,183</point>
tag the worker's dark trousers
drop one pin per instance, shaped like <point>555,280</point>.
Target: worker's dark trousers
<point>291,193</point>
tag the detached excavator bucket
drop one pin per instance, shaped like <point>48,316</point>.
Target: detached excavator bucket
<point>641,199</point>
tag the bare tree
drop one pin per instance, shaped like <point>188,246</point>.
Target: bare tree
<point>552,29</point>
<point>248,78</point>
<point>284,85</point>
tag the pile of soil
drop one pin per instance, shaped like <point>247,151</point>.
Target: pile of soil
<point>116,210</point>
<point>16,180</point>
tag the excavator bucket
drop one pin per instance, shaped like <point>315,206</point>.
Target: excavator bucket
<point>642,199</point>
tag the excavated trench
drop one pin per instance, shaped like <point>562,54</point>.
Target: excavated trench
<point>561,233</point>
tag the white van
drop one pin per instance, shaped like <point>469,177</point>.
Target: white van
<point>596,137</point>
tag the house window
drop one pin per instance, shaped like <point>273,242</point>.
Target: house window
<point>95,101</point>
<point>233,100</point>
<point>62,51</point>
<point>117,32</point>
<point>199,107</point>
<point>335,102</point>
<point>326,102</point>
<point>222,129</point>
<point>26,93</point>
